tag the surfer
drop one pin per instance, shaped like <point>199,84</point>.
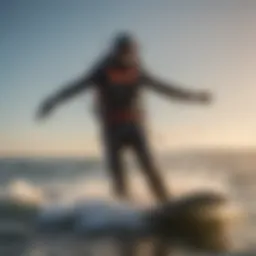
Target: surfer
<point>118,80</point>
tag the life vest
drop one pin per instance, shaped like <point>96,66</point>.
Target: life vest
<point>116,78</point>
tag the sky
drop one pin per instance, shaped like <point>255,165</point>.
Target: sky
<point>199,44</point>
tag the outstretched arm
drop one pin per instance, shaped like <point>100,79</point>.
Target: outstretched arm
<point>174,91</point>
<point>74,88</point>
<point>64,94</point>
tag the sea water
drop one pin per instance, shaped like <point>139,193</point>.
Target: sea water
<point>65,180</point>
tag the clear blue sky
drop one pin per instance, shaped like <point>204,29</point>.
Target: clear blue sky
<point>198,43</point>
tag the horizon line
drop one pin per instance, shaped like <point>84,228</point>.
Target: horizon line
<point>6,155</point>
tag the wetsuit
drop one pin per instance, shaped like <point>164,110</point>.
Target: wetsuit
<point>118,91</point>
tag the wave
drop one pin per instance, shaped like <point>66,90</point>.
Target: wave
<point>22,200</point>
<point>25,194</point>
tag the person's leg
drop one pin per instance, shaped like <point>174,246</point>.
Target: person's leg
<point>113,148</point>
<point>145,159</point>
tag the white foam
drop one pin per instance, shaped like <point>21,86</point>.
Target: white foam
<point>24,192</point>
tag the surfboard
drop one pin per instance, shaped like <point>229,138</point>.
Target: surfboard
<point>202,221</point>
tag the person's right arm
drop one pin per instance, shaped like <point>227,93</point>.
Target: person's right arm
<point>64,94</point>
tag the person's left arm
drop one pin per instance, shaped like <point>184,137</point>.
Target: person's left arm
<point>174,91</point>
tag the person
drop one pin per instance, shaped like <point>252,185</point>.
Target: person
<point>181,222</point>
<point>118,79</point>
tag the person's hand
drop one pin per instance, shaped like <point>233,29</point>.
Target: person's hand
<point>203,97</point>
<point>46,108</point>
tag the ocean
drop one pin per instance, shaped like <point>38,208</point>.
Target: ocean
<point>65,180</point>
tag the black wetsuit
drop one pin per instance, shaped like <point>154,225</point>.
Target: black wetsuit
<point>118,91</point>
